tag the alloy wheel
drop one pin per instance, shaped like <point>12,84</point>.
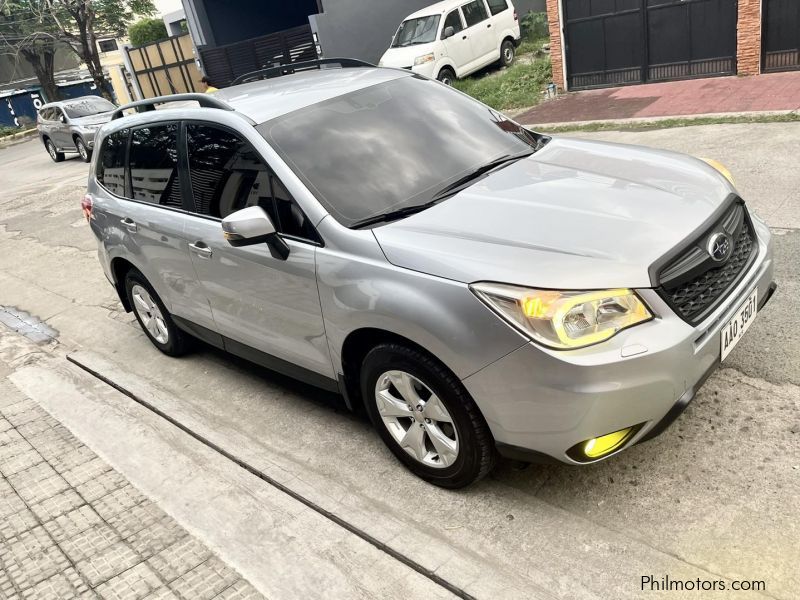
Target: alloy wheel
<point>417,419</point>
<point>150,315</point>
<point>81,149</point>
<point>51,150</point>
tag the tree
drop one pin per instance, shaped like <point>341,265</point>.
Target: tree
<point>25,34</point>
<point>78,23</point>
<point>145,31</point>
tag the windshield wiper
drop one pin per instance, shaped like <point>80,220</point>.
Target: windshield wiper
<point>470,178</point>
<point>392,215</point>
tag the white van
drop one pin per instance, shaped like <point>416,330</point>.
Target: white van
<point>455,38</point>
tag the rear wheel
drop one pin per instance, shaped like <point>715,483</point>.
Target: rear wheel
<point>447,76</point>
<point>425,416</point>
<point>153,316</point>
<point>83,151</point>
<point>507,53</point>
<point>54,154</point>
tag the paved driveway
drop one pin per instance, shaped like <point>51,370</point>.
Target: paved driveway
<point>714,498</point>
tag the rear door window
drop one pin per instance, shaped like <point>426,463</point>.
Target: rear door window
<point>497,6</point>
<point>474,12</point>
<point>111,165</point>
<point>228,175</point>
<point>153,165</point>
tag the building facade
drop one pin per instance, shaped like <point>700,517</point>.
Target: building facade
<point>600,43</point>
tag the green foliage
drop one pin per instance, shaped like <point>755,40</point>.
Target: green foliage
<point>146,31</point>
<point>112,17</point>
<point>518,86</point>
<point>534,32</point>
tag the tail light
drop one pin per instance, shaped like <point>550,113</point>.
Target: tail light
<point>516,16</point>
<point>86,207</point>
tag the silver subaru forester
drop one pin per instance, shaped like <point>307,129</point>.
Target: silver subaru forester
<point>476,287</point>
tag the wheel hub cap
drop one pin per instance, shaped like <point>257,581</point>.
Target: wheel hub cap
<point>150,315</point>
<point>417,419</point>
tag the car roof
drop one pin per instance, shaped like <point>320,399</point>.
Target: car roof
<point>437,9</point>
<point>69,101</point>
<point>264,100</point>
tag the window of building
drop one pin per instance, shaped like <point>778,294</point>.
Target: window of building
<point>107,45</point>
<point>154,165</point>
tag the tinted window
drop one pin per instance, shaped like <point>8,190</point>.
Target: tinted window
<point>46,114</point>
<point>497,6</point>
<point>227,175</point>
<point>111,166</point>
<point>154,165</point>
<point>369,151</point>
<point>453,20</point>
<point>416,31</point>
<point>86,107</point>
<point>474,12</point>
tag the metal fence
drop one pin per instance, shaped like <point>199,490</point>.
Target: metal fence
<point>165,67</point>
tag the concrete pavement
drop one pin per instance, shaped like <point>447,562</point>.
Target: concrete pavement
<point>712,498</point>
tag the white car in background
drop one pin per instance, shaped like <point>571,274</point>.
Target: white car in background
<point>455,38</point>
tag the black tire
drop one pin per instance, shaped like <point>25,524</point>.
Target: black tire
<point>476,453</point>
<point>507,53</point>
<point>83,151</point>
<point>447,76</point>
<point>178,342</point>
<point>51,150</point>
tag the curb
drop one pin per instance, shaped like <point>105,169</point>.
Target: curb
<point>15,138</point>
<point>651,120</point>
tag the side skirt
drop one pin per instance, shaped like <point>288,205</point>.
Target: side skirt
<point>257,356</point>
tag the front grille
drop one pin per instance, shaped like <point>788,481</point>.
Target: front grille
<point>693,283</point>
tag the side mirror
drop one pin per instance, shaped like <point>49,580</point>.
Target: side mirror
<point>251,226</point>
<point>448,32</point>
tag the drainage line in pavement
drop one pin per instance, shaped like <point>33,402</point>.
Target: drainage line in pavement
<point>276,484</point>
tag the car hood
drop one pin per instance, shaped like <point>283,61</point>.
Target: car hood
<point>98,119</point>
<point>575,215</point>
<point>404,57</point>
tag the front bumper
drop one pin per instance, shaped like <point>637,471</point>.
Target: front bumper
<point>539,403</point>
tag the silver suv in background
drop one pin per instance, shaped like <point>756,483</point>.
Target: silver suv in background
<point>70,125</point>
<point>476,287</point>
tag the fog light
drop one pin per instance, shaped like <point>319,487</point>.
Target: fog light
<point>603,445</point>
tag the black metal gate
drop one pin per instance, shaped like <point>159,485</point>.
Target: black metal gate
<point>225,63</point>
<point>781,35</point>
<point>618,42</point>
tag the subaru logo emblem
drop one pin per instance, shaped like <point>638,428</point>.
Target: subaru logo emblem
<point>720,246</point>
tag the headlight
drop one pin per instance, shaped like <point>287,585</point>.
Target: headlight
<point>564,320</point>
<point>425,58</point>
<point>723,170</point>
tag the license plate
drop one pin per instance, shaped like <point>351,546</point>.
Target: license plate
<point>734,329</point>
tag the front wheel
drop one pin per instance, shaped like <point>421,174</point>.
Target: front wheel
<point>507,53</point>
<point>83,151</point>
<point>425,416</point>
<point>447,76</point>
<point>153,316</point>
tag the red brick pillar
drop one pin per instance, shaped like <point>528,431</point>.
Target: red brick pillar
<point>748,38</point>
<point>556,50</point>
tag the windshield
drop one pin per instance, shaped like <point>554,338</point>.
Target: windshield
<point>416,31</point>
<point>86,107</point>
<point>391,146</point>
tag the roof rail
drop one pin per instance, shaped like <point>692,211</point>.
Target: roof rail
<point>205,100</point>
<point>288,69</point>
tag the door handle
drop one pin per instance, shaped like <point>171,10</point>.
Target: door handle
<point>200,250</point>
<point>129,224</point>
<point>463,38</point>
<point>489,25</point>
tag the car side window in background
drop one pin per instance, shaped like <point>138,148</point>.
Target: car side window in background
<point>497,6</point>
<point>111,166</point>
<point>153,165</point>
<point>474,12</point>
<point>227,175</point>
<point>453,20</point>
